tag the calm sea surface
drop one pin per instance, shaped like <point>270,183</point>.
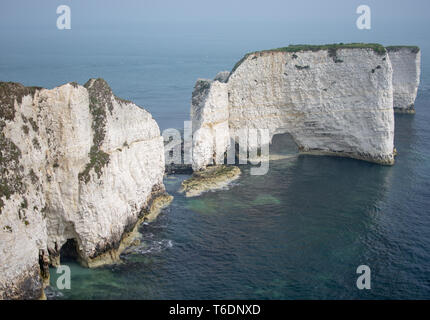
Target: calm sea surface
<point>300,231</point>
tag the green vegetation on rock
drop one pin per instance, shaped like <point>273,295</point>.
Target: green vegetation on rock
<point>34,125</point>
<point>33,177</point>
<point>36,143</point>
<point>11,173</point>
<point>24,204</point>
<point>378,48</point>
<point>100,99</point>
<point>9,93</point>
<point>10,170</point>
<point>98,159</point>
<point>26,129</point>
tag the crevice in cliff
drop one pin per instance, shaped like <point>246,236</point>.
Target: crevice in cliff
<point>44,266</point>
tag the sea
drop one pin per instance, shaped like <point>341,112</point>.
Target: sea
<point>298,232</point>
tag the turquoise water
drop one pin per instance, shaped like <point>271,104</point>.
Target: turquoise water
<point>298,232</point>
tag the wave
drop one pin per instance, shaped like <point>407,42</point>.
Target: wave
<point>148,246</point>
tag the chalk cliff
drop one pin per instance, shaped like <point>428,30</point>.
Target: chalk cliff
<point>210,116</point>
<point>78,166</point>
<point>333,100</point>
<point>406,61</point>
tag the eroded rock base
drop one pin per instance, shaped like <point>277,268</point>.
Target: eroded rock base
<point>112,256</point>
<point>212,178</point>
<point>408,110</point>
<point>382,160</point>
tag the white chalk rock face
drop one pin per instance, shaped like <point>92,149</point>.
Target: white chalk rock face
<point>78,166</point>
<point>209,114</point>
<point>406,62</point>
<point>332,102</point>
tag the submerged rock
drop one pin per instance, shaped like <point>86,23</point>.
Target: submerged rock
<point>78,166</point>
<point>157,205</point>
<point>212,178</point>
<point>265,199</point>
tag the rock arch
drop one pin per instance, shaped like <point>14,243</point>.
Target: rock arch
<point>333,100</point>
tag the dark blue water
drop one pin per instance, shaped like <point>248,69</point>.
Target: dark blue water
<point>298,232</point>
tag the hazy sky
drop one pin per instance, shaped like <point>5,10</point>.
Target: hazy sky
<point>152,51</point>
<point>206,27</point>
<point>90,12</point>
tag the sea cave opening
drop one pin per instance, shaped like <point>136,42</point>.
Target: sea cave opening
<point>283,144</point>
<point>69,251</point>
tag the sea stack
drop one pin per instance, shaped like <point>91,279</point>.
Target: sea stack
<point>332,99</point>
<point>406,62</point>
<point>79,169</point>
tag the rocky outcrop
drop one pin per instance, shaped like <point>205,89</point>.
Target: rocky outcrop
<point>406,62</point>
<point>333,100</point>
<point>210,119</point>
<point>213,178</point>
<point>78,166</point>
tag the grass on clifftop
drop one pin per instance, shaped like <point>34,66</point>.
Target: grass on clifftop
<point>378,48</point>
<point>332,48</point>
